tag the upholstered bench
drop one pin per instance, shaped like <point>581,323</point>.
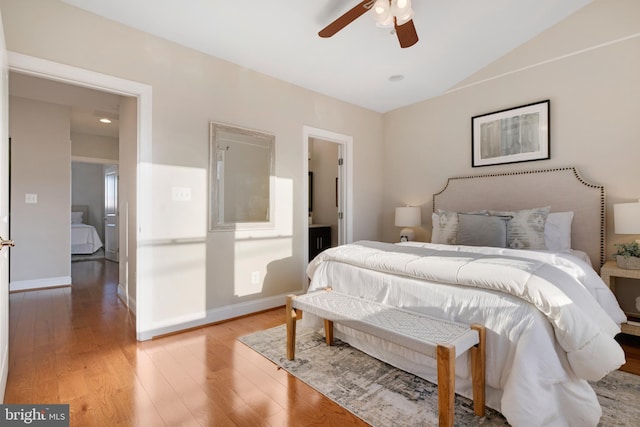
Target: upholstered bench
<point>440,339</point>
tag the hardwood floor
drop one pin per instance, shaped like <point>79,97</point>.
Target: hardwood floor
<point>77,345</point>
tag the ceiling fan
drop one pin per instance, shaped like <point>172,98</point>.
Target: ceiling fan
<point>387,13</point>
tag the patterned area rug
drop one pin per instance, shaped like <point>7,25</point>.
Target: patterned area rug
<point>382,395</point>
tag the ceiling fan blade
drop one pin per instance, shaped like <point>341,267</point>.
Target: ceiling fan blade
<point>347,18</point>
<point>407,35</point>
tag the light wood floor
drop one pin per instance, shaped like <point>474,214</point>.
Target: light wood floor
<point>76,345</point>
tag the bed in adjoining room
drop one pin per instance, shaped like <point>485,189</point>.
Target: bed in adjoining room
<point>85,239</point>
<point>518,253</point>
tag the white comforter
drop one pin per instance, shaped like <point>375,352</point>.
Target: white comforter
<point>550,319</point>
<point>84,239</point>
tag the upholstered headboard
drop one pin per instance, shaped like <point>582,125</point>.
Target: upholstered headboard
<point>563,189</point>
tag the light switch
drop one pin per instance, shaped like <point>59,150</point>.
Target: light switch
<point>30,198</point>
<point>181,194</point>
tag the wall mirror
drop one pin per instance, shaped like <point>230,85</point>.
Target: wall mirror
<point>242,168</point>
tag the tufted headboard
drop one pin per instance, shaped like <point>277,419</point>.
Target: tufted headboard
<point>563,189</point>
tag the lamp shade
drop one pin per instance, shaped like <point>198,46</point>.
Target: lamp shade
<point>626,218</point>
<point>408,216</point>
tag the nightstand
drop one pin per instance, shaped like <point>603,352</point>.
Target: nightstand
<point>609,272</point>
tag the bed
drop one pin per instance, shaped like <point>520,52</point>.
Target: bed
<point>550,319</point>
<point>84,237</point>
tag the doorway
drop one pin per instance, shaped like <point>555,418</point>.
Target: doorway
<point>138,153</point>
<point>111,238</point>
<point>329,185</point>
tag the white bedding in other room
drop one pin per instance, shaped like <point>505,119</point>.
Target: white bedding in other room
<point>540,352</point>
<point>84,239</point>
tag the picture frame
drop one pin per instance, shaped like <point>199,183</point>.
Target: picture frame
<point>514,135</point>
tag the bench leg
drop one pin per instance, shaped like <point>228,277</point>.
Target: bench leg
<point>478,370</point>
<point>446,360</point>
<point>328,331</point>
<point>291,316</point>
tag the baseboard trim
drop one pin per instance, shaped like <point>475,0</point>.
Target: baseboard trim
<point>127,300</point>
<point>214,315</point>
<point>49,282</point>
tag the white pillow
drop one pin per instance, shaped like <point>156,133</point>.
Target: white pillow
<point>557,231</point>
<point>76,217</point>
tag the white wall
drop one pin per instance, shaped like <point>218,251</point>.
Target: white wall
<point>40,165</point>
<point>588,66</point>
<point>196,276</point>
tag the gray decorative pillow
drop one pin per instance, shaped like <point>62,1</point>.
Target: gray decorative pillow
<point>445,226</point>
<point>525,230</point>
<point>482,230</point>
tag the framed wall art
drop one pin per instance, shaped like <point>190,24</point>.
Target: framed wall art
<point>520,134</point>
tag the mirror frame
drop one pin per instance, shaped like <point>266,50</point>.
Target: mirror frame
<point>214,193</point>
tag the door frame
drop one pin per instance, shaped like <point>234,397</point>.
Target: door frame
<point>5,166</point>
<point>50,70</point>
<point>345,150</point>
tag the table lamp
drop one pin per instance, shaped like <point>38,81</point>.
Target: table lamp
<point>408,216</point>
<point>626,218</point>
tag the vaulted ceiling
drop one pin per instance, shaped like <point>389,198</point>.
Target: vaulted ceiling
<point>361,64</point>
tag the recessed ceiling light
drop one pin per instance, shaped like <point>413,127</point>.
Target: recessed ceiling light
<point>104,120</point>
<point>396,78</point>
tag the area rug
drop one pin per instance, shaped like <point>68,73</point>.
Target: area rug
<point>383,395</point>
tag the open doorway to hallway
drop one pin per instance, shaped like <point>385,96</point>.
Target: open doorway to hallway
<point>135,127</point>
<point>62,135</point>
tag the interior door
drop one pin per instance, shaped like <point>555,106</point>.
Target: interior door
<point>111,243</point>
<point>4,216</point>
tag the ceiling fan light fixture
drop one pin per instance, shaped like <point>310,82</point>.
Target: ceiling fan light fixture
<point>387,23</point>
<point>382,13</point>
<point>402,10</point>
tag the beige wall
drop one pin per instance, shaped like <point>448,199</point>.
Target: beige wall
<point>94,146</point>
<point>40,164</point>
<point>196,276</point>
<point>587,65</point>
